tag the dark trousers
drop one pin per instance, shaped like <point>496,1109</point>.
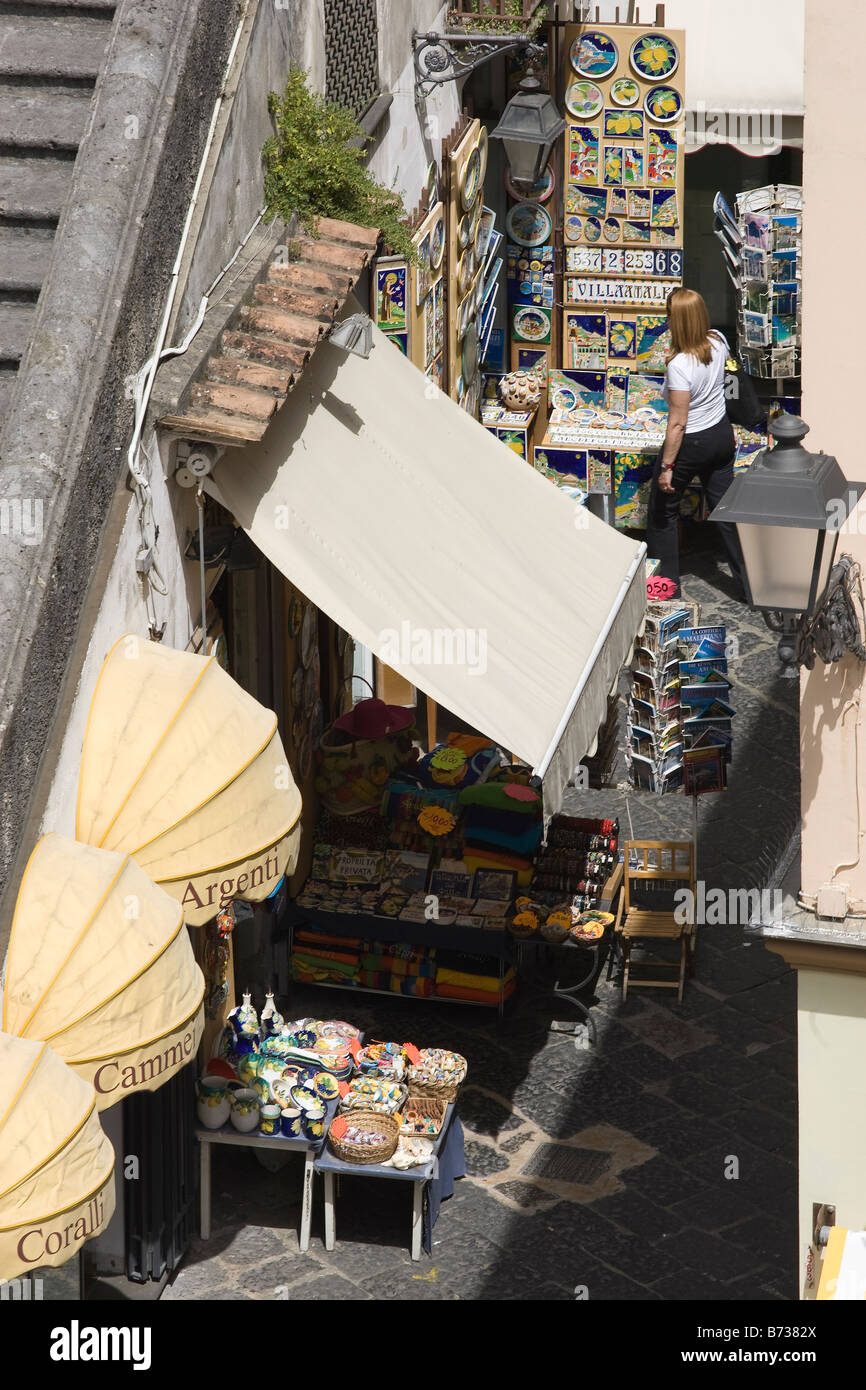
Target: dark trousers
<point>707,455</point>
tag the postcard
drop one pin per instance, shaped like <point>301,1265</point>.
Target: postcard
<point>703,643</point>
<point>757,329</point>
<point>703,771</point>
<point>498,884</point>
<point>757,228</point>
<point>754,263</point>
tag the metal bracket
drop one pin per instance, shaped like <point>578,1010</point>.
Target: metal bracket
<point>439,59</point>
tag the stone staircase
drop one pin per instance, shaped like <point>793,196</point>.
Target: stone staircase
<point>50,56</point>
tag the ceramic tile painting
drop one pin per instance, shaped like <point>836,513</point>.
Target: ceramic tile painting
<point>598,471</point>
<point>640,204</point>
<point>589,201</point>
<point>613,164</point>
<point>429,330</point>
<point>621,338</point>
<point>586,388</point>
<point>617,203</point>
<point>652,340</point>
<point>638,232</point>
<point>401,341</point>
<point>585,340</point>
<point>633,473</point>
<point>661,157</point>
<point>664,210</point>
<point>627,123</point>
<point>422,270</point>
<point>616,391</point>
<point>583,153</point>
<point>632,158</point>
<point>668,234</point>
<point>646,390</point>
<point>391,297</point>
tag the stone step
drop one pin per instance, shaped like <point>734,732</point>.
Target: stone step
<point>16,322</point>
<point>45,46</point>
<point>42,117</point>
<point>34,188</point>
<point>25,255</point>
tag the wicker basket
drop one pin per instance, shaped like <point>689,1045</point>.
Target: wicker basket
<point>353,1102</point>
<point>350,1152</point>
<point>445,1089</point>
<point>423,1108</point>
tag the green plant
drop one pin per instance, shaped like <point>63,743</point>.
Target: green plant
<point>314,167</point>
<point>486,21</point>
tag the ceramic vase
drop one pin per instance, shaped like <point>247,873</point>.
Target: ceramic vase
<point>245,1110</point>
<point>213,1106</point>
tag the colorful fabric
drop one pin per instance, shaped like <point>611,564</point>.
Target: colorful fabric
<point>318,939</point>
<point>474,996</point>
<point>494,796</point>
<point>488,983</point>
<point>416,988</point>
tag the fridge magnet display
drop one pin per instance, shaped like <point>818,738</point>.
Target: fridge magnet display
<point>620,338</point>
<point>531,324</point>
<point>628,123</point>
<point>613,167</point>
<point>624,91</point>
<point>529,224</point>
<point>651,338</point>
<point>617,203</point>
<point>573,228</point>
<point>541,191</point>
<point>422,270</point>
<point>664,211</point>
<point>616,391</point>
<point>470,180</point>
<point>632,163</point>
<point>584,100</point>
<point>437,242</point>
<point>663,104</point>
<point>654,56</point>
<point>598,463</point>
<point>391,297</point>
<point>639,204</point>
<point>583,153</point>
<point>591,201</point>
<point>594,54</point>
<point>592,229</point>
<point>662,157</point>
<point>611,229</point>
<point>636,231</point>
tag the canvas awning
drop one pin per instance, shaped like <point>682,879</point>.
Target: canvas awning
<point>456,563</point>
<point>56,1164</point>
<point>185,772</point>
<point>100,966</point>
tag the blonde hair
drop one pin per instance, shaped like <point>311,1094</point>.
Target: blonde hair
<point>689,325</point>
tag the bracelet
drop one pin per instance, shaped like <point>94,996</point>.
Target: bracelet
<point>666,468</point>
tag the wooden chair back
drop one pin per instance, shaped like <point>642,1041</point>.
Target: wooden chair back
<point>666,863</point>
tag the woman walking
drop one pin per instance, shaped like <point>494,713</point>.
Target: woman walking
<point>699,441</point>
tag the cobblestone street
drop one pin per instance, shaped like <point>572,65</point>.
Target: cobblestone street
<point>606,1171</point>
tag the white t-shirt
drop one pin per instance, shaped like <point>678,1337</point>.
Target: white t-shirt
<point>705,385</point>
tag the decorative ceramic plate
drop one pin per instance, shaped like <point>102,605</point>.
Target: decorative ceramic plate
<point>431,179</point>
<point>296,616</point>
<point>475,217</point>
<point>594,54</point>
<point>611,229</point>
<point>463,232</point>
<point>461,389</point>
<point>297,687</point>
<point>479,243</point>
<point>584,100</point>
<point>483,140</point>
<point>470,352</point>
<point>573,228</point>
<point>479,293</point>
<point>473,396</point>
<point>663,104</point>
<point>624,91</point>
<point>592,229</point>
<point>653,56</point>
<point>585,414</point>
<point>437,242</point>
<point>326,1086</point>
<point>564,398</point>
<point>464,270</point>
<point>536,192</point>
<point>311,690</point>
<point>470,180</point>
<point>529,224</point>
<point>531,325</point>
<point>308,634</point>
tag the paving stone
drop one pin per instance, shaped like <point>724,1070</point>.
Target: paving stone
<point>716,1207</point>
<point>332,1289</point>
<point>482,1160</point>
<point>417,1287</point>
<point>701,1252</point>
<point>253,1244</point>
<point>524,1194</point>
<point>766,1130</point>
<point>633,1213</point>
<point>483,1115</point>
<point>270,1279</point>
<point>772,1241</point>
<point>673,1036</point>
<point>662,1182</point>
<point>706,1098</point>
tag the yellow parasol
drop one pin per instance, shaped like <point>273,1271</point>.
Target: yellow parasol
<point>187,773</point>
<point>100,966</point>
<point>56,1165</point>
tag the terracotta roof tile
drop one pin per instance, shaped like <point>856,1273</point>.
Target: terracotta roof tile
<point>262,352</point>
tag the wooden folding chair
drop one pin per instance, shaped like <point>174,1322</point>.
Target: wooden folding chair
<point>656,867</point>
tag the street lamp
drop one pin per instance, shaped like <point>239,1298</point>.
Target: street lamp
<point>788,509</point>
<point>529,128</point>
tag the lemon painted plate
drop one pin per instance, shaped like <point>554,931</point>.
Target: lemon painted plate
<point>663,104</point>
<point>654,56</point>
<point>624,92</point>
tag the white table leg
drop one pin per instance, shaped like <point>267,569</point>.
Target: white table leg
<point>205,1193</point>
<point>306,1202</point>
<point>330,1223</point>
<point>417,1218</point>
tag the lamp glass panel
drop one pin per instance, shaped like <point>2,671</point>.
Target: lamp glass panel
<point>779,562</point>
<point>526,159</point>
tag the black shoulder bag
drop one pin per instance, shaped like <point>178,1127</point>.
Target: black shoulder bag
<point>741,398</point>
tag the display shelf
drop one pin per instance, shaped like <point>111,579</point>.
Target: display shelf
<point>473,940</point>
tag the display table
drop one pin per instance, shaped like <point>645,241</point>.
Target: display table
<point>450,1141</point>
<point>276,1144</point>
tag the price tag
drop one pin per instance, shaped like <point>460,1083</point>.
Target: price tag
<point>448,759</point>
<point>412,1053</point>
<point>518,792</point>
<point>338,1127</point>
<point>436,820</point>
<point>344,1088</point>
<point>354,1048</point>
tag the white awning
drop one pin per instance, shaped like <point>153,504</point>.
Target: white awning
<point>443,552</point>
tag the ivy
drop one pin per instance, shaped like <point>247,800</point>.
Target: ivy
<point>314,167</point>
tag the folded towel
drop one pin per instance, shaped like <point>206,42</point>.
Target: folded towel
<point>474,996</point>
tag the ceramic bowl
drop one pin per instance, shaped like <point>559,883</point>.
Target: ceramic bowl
<point>306,1038</point>
<point>245,1110</point>
<point>304,1099</point>
<point>281,1092</point>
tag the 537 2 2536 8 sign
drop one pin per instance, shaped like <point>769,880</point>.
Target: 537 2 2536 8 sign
<point>584,290</point>
<point>606,260</point>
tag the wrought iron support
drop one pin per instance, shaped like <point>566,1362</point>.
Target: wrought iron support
<point>441,58</point>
